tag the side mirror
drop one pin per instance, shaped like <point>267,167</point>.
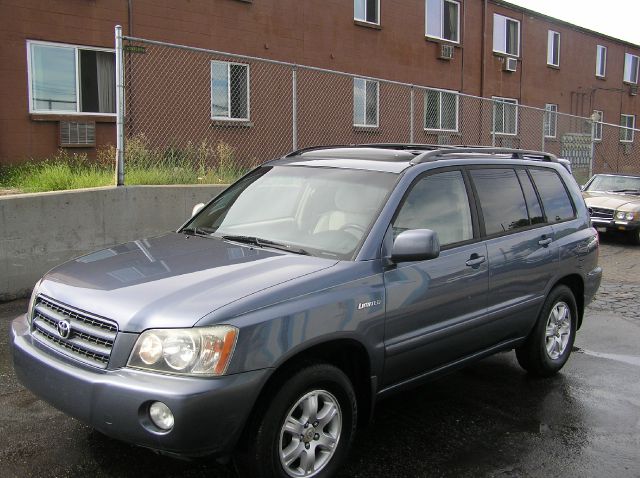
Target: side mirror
<point>415,245</point>
<point>197,208</point>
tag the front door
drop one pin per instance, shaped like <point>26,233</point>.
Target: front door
<point>432,305</point>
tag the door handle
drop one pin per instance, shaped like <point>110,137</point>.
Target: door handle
<point>545,242</point>
<point>475,260</point>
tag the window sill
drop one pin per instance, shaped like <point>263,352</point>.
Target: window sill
<point>374,26</point>
<point>71,117</point>
<point>500,54</point>
<point>553,67</point>
<point>601,78</point>
<point>245,1</point>
<point>231,123</point>
<point>552,139</point>
<point>366,129</point>
<point>449,132</point>
<point>443,41</point>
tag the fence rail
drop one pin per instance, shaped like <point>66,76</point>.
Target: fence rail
<point>207,116</point>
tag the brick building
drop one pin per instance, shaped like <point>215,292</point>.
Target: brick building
<point>58,61</point>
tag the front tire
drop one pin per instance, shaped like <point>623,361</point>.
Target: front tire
<point>549,344</point>
<point>306,429</point>
<point>634,237</point>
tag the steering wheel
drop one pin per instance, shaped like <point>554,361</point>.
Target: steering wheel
<point>360,231</point>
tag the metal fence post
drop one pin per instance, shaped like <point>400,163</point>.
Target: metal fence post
<point>294,107</point>
<point>544,127</point>
<point>119,108</point>
<point>411,117</point>
<point>493,123</point>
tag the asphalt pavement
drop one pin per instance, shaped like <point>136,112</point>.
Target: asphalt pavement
<point>488,420</point>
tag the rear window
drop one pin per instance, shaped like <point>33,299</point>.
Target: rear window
<point>501,199</point>
<point>555,200</point>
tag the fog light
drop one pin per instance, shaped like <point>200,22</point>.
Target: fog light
<point>161,416</point>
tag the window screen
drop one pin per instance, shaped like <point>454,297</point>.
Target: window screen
<point>556,202</point>
<point>501,199</point>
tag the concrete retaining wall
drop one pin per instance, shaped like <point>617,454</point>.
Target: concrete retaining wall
<point>40,231</point>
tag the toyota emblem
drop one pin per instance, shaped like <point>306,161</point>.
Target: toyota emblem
<point>64,328</point>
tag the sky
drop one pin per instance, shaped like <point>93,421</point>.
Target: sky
<point>616,18</point>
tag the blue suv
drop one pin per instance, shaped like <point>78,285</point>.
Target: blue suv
<point>268,326</point>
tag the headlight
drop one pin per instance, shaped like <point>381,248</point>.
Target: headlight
<point>629,216</point>
<point>32,301</point>
<point>198,351</point>
<point>620,215</point>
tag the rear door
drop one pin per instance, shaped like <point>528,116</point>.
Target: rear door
<point>521,249</point>
<point>432,305</point>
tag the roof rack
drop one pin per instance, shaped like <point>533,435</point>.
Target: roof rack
<point>399,146</point>
<point>437,154</point>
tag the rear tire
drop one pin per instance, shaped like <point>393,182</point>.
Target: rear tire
<point>306,430</point>
<point>549,344</point>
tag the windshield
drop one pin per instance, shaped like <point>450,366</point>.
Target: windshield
<point>311,210</point>
<point>620,184</point>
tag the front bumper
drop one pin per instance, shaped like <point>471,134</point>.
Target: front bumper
<point>614,225</point>
<point>209,412</point>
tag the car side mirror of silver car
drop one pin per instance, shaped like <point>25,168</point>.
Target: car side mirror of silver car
<point>197,208</point>
<point>415,245</point>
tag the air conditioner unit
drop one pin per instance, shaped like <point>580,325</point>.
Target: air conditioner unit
<point>446,52</point>
<point>510,64</point>
<point>75,134</point>
<point>633,90</point>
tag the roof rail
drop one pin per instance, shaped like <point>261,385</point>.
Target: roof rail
<point>313,148</point>
<point>400,146</point>
<point>515,154</point>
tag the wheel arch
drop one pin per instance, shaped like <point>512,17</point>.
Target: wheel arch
<point>576,283</point>
<point>347,354</point>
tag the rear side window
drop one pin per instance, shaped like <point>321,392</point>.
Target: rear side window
<point>501,199</point>
<point>535,211</point>
<point>555,200</point>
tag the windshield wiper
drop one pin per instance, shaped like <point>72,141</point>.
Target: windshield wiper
<point>256,241</point>
<point>194,231</point>
<point>632,191</point>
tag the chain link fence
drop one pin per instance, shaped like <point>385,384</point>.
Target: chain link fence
<point>206,117</point>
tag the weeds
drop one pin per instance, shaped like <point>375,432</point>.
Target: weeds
<point>194,163</point>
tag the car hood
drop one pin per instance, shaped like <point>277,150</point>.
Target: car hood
<point>612,201</point>
<point>171,280</point>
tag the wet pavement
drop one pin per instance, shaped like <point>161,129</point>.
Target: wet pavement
<point>489,420</point>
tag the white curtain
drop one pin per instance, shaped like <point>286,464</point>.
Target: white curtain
<point>105,64</point>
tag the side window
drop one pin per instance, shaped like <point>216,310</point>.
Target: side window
<point>501,200</point>
<point>438,202</point>
<point>535,211</point>
<point>556,202</point>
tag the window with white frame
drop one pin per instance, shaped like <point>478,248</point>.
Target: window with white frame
<point>601,61</point>
<point>506,35</point>
<point>68,79</point>
<point>627,123</point>
<point>550,120</point>
<point>505,115</point>
<point>553,48</point>
<point>630,68</point>
<point>229,91</point>
<point>598,117</point>
<point>443,20</point>
<point>365,102</point>
<point>440,110</point>
<point>367,11</point>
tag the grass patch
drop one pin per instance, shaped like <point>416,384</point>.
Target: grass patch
<point>201,163</point>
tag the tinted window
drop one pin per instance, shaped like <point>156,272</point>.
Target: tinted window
<point>438,202</point>
<point>501,200</point>
<point>535,211</point>
<point>556,202</point>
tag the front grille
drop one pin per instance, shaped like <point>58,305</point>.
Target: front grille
<point>90,338</point>
<point>601,213</point>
